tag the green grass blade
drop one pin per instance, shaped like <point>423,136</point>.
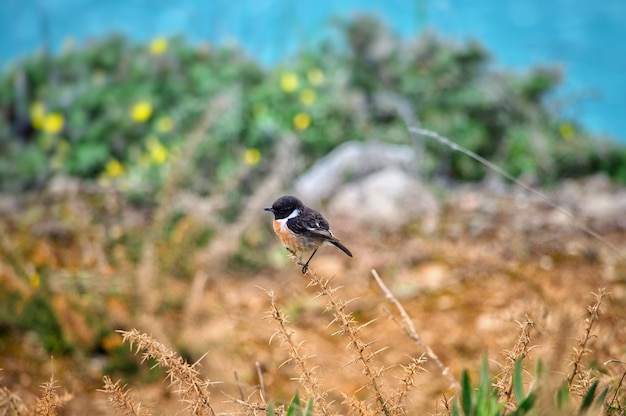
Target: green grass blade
<point>588,398</point>
<point>518,386</point>
<point>270,409</point>
<point>455,408</point>
<point>602,396</point>
<point>562,397</point>
<point>525,405</point>
<point>308,411</point>
<point>483,396</point>
<point>295,407</point>
<point>466,393</point>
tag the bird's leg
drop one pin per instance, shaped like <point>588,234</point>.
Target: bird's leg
<point>305,266</point>
<point>298,257</point>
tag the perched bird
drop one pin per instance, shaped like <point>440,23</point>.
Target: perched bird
<point>302,229</point>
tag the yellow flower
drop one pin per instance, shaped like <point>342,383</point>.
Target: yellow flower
<point>252,156</point>
<point>302,121</point>
<point>35,280</point>
<point>112,341</point>
<point>158,152</point>
<point>164,124</point>
<point>53,123</point>
<point>141,111</point>
<point>289,82</point>
<point>315,76</point>
<point>37,114</point>
<point>113,168</point>
<point>158,46</point>
<point>308,96</point>
<point>567,131</point>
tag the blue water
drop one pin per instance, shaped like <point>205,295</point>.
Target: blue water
<point>586,39</point>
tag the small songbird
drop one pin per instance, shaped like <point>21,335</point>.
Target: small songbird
<point>302,229</point>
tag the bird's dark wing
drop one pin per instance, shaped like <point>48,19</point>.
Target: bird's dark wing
<point>311,222</point>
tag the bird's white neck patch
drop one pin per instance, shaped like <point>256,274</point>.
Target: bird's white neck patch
<point>293,214</point>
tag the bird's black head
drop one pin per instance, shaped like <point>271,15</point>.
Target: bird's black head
<point>284,206</point>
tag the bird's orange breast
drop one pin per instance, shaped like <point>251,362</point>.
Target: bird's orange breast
<point>293,241</point>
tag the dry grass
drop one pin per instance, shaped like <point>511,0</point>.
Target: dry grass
<point>374,396</point>
<point>517,288</point>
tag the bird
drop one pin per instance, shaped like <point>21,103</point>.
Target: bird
<point>302,229</point>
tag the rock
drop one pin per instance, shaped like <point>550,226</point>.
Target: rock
<point>386,200</point>
<point>351,161</point>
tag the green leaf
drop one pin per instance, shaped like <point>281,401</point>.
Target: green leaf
<point>308,411</point>
<point>295,407</point>
<point>455,408</point>
<point>602,396</point>
<point>562,397</point>
<point>588,398</point>
<point>525,405</point>
<point>484,384</point>
<point>466,393</point>
<point>270,409</point>
<point>518,387</point>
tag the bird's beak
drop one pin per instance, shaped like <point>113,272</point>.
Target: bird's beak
<point>269,209</point>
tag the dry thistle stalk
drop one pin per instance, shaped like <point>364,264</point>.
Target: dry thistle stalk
<point>583,377</point>
<point>349,328</point>
<point>406,384</point>
<point>120,398</point>
<point>409,329</point>
<point>193,389</point>
<point>50,401</point>
<point>307,378</point>
<point>520,351</point>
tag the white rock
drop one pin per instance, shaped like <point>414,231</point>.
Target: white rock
<point>388,200</point>
<point>349,162</point>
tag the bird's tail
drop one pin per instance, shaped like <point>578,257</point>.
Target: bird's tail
<point>342,247</point>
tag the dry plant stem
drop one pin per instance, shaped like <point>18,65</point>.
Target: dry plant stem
<point>259,373</point>
<point>520,350</point>
<point>350,329</point>
<point>298,357</point>
<point>50,401</point>
<point>582,350</point>
<point>407,326</point>
<point>11,403</point>
<point>121,399</point>
<point>193,389</point>
<point>406,382</point>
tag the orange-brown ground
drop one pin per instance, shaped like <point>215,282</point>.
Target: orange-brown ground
<point>490,262</point>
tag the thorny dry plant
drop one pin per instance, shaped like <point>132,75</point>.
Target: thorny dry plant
<point>193,389</point>
<point>578,379</point>
<point>298,357</point>
<point>521,349</point>
<point>120,398</point>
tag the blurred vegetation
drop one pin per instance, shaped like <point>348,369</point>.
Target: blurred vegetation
<point>114,110</point>
<point>121,114</point>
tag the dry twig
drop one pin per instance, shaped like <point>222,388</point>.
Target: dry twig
<point>409,329</point>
